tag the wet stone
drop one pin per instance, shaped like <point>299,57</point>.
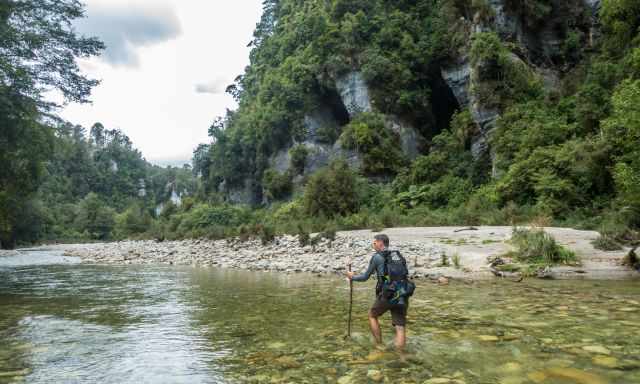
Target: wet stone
<point>597,349</point>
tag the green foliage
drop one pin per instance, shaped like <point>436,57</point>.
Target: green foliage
<point>444,260</point>
<point>298,156</point>
<point>380,147</point>
<point>541,162</point>
<point>24,146</point>
<point>501,78</point>
<point>267,234</point>
<point>203,216</point>
<point>135,220</point>
<point>533,12</point>
<point>329,134</point>
<point>39,47</point>
<point>631,259</point>
<point>606,242</point>
<point>456,260</point>
<point>304,238</point>
<point>331,191</point>
<point>535,246</point>
<point>568,155</point>
<point>449,190</point>
<point>329,233</point>
<point>277,185</point>
<point>620,20</point>
<point>95,218</point>
<point>622,130</point>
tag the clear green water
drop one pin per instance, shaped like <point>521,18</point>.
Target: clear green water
<point>98,324</point>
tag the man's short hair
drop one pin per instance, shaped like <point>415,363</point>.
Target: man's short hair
<point>382,237</point>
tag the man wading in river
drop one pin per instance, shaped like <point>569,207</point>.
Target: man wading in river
<point>392,290</point>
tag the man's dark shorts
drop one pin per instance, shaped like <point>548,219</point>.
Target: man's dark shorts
<point>398,312</point>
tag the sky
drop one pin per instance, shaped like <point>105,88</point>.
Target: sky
<point>165,69</point>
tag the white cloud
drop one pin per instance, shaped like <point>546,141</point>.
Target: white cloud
<point>156,103</point>
<point>126,27</point>
<point>216,86</point>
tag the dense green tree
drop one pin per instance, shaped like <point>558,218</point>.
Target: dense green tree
<point>95,218</point>
<point>38,51</point>
<point>332,191</point>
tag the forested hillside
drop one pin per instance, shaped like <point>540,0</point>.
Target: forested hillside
<point>356,114</point>
<point>96,186</point>
<point>376,113</point>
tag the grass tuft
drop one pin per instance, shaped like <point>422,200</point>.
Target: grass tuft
<point>606,242</point>
<point>535,246</point>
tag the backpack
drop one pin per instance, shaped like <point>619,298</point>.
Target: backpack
<point>396,286</point>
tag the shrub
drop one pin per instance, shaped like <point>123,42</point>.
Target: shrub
<point>286,212</point>
<point>276,185</point>
<point>169,209</point>
<point>449,190</point>
<point>456,260</point>
<point>204,216</point>
<point>379,146</point>
<point>95,218</point>
<point>267,233</point>
<point>444,260</point>
<point>606,242</point>
<point>631,259</point>
<point>135,220</point>
<point>502,78</point>
<point>620,20</point>
<point>331,191</point>
<point>622,129</point>
<point>329,233</point>
<point>328,134</point>
<point>535,246</point>
<point>298,155</point>
<point>303,236</point>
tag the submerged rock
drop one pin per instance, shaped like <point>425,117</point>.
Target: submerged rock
<point>605,361</point>
<point>575,375</point>
<point>375,375</point>
<point>597,349</point>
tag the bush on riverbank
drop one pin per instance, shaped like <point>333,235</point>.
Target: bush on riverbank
<point>535,246</point>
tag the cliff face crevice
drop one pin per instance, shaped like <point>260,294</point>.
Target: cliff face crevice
<point>540,45</point>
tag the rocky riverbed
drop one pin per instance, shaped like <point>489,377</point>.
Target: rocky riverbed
<point>432,252</point>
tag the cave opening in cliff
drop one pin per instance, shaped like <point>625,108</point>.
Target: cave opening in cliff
<point>330,99</point>
<point>443,103</point>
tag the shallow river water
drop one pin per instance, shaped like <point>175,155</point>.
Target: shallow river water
<point>64,322</point>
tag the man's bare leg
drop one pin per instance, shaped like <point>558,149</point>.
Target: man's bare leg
<point>401,337</point>
<point>375,328</point>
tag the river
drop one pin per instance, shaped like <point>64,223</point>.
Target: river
<point>66,322</point>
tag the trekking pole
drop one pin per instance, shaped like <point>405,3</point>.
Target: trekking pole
<point>350,302</point>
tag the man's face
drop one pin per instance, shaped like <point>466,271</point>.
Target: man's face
<point>378,245</point>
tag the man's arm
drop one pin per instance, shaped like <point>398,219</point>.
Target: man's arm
<point>365,276</point>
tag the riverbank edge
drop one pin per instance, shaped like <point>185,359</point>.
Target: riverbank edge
<point>437,253</point>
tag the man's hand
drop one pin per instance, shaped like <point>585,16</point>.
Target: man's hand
<point>350,275</point>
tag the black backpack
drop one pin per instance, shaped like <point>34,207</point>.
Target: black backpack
<point>396,286</point>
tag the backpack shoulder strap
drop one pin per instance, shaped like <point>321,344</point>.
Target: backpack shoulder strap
<point>404,262</point>
<point>385,255</point>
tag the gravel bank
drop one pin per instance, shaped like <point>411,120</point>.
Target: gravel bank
<point>424,248</point>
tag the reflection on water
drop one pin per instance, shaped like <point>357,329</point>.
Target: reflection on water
<point>82,323</point>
